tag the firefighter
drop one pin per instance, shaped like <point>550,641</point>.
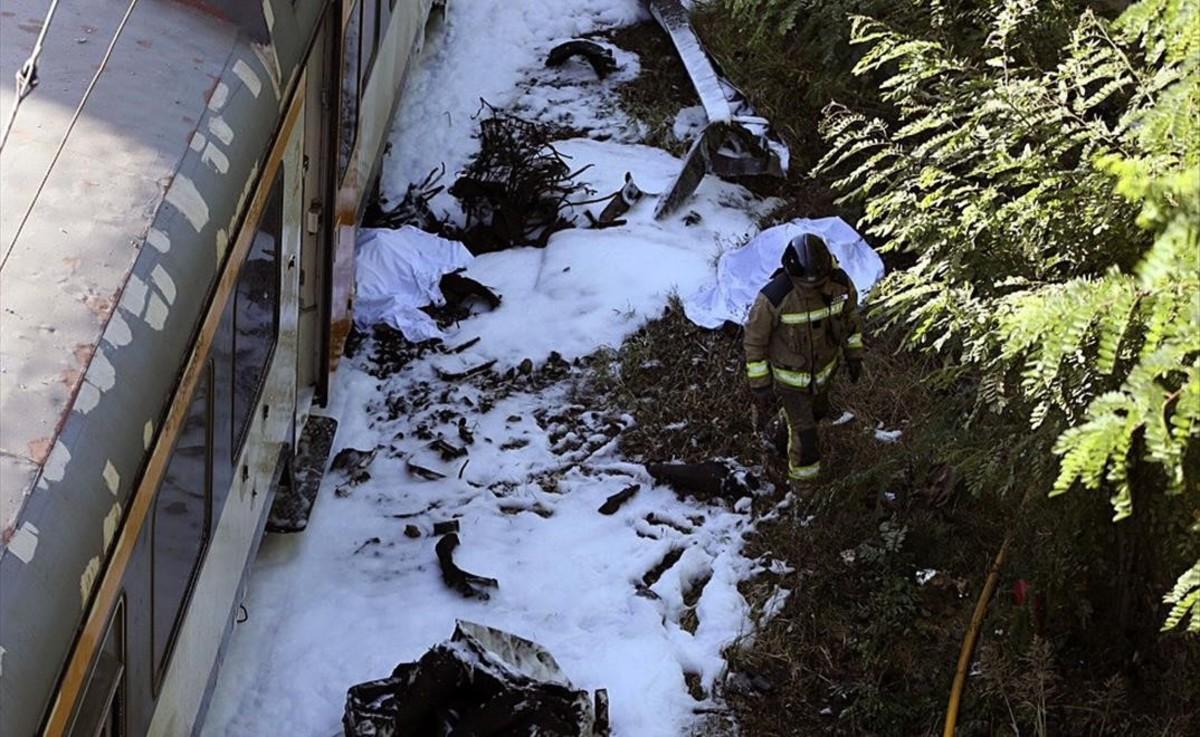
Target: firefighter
<point>803,323</point>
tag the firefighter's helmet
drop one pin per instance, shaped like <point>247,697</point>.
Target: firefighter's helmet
<point>807,258</point>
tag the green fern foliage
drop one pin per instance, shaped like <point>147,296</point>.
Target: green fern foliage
<point>1052,206</point>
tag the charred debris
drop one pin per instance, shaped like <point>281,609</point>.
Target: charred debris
<point>519,190</point>
<point>480,682</point>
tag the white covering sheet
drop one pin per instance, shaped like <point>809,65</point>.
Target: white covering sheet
<point>742,272</point>
<point>398,272</point>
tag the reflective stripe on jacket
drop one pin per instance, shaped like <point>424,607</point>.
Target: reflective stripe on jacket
<point>796,333</point>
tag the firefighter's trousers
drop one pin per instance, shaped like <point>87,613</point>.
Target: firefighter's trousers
<point>802,410</point>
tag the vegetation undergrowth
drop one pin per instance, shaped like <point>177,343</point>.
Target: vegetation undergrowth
<point>886,562</point>
<point>1031,171</point>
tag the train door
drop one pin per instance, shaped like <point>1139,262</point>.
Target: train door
<point>312,364</point>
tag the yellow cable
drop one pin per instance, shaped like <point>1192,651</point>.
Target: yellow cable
<point>968,647</point>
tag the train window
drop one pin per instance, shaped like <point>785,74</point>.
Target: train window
<point>348,109</point>
<point>102,711</point>
<point>256,314</point>
<point>182,523</point>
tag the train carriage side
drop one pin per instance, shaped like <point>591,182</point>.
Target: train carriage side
<point>150,505</point>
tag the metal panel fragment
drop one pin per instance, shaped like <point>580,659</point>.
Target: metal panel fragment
<point>737,141</point>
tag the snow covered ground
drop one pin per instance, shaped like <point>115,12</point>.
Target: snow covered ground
<point>352,596</point>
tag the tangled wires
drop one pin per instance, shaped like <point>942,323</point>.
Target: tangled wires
<point>514,191</point>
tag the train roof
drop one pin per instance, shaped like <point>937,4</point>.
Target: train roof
<point>107,268</point>
<point>70,246</point>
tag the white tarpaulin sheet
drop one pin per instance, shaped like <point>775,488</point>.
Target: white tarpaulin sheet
<point>398,272</point>
<point>741,273</point>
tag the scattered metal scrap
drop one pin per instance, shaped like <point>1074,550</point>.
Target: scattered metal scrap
<point>458,288</point>
<point>467,584</point>
<point>481,683</point>
<point>601,58</point>
<point>445,527</point>
<point>425,473</point>
<point>737,142</point>
<point>420,513</point>
<point>460,348</point>
<point>622,200</point>
<point>447,450</point>
<point>366,544</point>
<point>353,463</point>
<point>460,375</point>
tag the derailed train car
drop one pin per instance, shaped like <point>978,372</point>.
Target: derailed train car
<point>178,199</point>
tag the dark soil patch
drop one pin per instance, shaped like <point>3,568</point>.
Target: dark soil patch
<point>661,90</point>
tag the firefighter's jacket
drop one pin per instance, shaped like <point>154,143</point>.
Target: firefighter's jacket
<point>796,333</point>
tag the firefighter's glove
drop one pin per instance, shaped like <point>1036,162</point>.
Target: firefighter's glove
<point>855,368</point>
<point>761,406</point>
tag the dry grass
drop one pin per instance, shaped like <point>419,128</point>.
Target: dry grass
<point>861,647</point>
<point>687,389</point>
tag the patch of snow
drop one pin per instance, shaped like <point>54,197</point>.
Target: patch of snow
<point>780,568</point>
<point>483,51</point>
<point>743,505</point>
<point>846,416</point>
<point>774,605</point>
<point>689,123</point>
<point>887,436</point>
<point>328,610</point>
<point>594,288</point>
<point>571,96</point>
